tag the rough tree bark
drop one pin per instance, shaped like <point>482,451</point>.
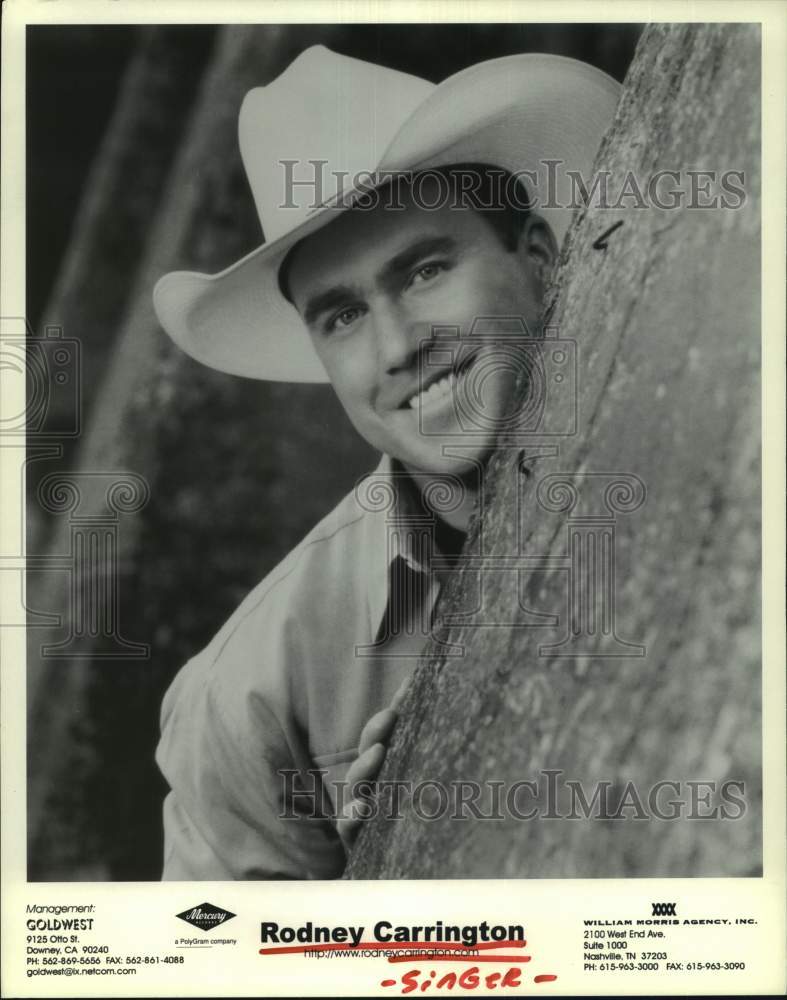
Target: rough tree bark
<point>666,320</point>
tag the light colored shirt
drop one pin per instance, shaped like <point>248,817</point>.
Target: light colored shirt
<point>288,683</point>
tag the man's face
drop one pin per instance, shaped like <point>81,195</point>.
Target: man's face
<point>373,287</point>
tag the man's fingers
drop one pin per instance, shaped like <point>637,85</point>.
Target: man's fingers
<point>358,809</point>
<point>366,765</point>
<point>371,754</point>
<point>377,729</point>
<point>347,826</point>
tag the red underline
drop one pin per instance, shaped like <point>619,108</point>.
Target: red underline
<point>292,949</point>
<point>512,959</point>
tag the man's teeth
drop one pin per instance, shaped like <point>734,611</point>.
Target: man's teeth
<point>436,392</point>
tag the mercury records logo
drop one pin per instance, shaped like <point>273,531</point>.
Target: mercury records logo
<point>206,916</point>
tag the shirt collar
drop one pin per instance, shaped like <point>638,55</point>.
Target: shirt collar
<point>391,490</point>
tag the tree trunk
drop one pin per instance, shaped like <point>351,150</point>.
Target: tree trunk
<point>111,226</point>
<point>651,674</point>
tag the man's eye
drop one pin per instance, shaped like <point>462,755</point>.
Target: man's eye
<point>343,319</point>
<point>427,272</point>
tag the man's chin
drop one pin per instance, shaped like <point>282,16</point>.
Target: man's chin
<point>457,458</point>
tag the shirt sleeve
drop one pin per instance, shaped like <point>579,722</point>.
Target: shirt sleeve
<point>234,810</point>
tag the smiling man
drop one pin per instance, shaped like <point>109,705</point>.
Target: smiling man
<point>376,308</point>
<point>377,286</point>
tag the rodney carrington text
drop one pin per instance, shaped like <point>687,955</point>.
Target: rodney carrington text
<point>469,934</point>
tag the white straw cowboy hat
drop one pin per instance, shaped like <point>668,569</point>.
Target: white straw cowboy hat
<point>517,112</point>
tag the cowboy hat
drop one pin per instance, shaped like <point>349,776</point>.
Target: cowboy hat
<point>327,121</point>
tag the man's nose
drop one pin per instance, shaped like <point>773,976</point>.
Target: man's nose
<point>397,339</point>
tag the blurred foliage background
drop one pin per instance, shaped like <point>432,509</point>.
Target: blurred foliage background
<point>133,170</point>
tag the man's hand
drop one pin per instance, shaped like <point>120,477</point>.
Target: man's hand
<point>371,754</point>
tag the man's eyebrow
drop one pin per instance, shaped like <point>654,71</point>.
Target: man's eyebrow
<point>409,257</point>
<point>323,301</point>
<point>334,297</point>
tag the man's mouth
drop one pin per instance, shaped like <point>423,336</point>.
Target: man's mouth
<point>438,387</point>
<point>434,392</point>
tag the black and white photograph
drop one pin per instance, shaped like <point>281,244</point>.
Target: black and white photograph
<point>392,456</point>
<point>398,418</point>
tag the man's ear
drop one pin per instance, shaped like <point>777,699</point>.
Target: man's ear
<point>538,247</point>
